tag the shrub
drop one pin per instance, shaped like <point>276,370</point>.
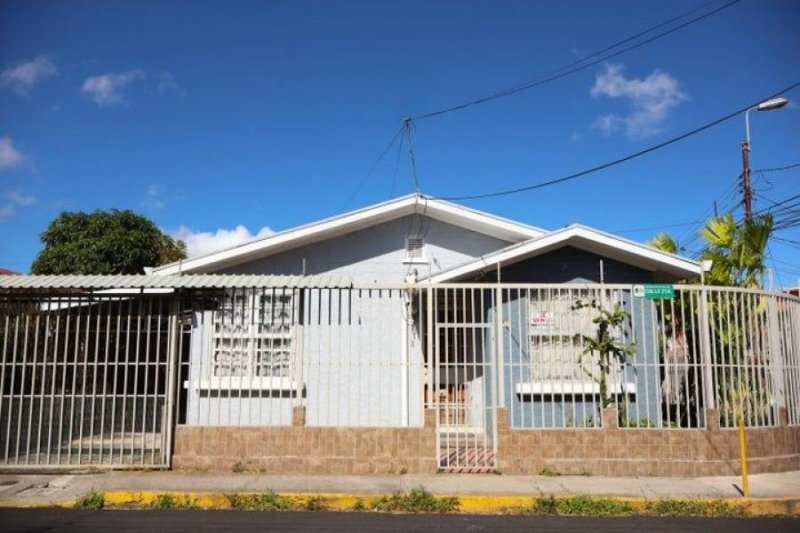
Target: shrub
<point>166,502</point>
<point>267,501</point>
<point>94,500</point>
<point>415,501</point>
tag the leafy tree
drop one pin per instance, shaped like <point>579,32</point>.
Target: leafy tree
<point>738,251</point>
<point>664,242</point>
<point>104,242</point>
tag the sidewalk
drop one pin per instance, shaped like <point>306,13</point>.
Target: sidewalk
<point>39,489</point>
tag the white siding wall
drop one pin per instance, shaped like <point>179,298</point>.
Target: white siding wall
<point>354,357</point>
<point>377,253</point>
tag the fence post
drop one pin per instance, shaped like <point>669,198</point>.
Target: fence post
<point>432,364</point>
<point>775,353</point>
<point>173,370</point>
<point>499,332</point>
<point>705,352</point>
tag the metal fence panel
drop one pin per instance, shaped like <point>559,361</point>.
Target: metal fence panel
<point>84,380</point>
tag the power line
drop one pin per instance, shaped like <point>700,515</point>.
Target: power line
<point>582,63</point>
<point>622,159</point>
<point>374,166</point>
<point>652,228</point>
<point>778,169</point>
<point>408,125</point>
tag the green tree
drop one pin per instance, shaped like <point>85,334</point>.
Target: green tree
<point>104,242</point>
<point>737,251</point>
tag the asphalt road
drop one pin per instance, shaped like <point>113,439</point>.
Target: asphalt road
<point>59,520</point>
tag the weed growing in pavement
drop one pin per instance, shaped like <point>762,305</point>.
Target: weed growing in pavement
<point>579,506</point>
<point>416,500</point>
<point>266,501</point>
<point>315,503</point>
<point>358,505</point>
<point>94,500</point>
<point>600,507</point>
<point>167,502</point>
<point>713,508</point>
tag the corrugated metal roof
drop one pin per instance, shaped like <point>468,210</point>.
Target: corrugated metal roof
<point>186,281</point>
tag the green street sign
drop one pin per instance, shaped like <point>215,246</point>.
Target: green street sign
<point>654,290</point>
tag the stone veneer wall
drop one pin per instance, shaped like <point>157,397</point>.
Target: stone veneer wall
<point>611,451</point>
<point>299,449</point>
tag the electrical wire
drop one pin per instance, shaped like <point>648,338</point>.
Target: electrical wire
<point>374,166</point>
<point>624,159</point>
<point>585,62</point>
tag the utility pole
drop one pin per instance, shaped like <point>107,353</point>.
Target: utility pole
<point>767,105</point>
<point>746,186</point>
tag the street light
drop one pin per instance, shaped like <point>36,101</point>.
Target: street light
<point>767,105</point>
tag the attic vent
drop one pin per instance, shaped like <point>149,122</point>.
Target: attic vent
<point>415,249</point>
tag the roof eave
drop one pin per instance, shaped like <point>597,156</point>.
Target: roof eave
<point>352,221</point>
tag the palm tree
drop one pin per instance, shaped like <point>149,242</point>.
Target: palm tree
<point>738,252</point>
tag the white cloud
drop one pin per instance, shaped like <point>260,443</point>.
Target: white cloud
<point>153,197</point>
<point>651,98</point>
<point>9,155</point>
<point>106,89</point>
<point>22,77</point>
<point>205,242</point>
<point>20,198</point>
<point>15,198</point>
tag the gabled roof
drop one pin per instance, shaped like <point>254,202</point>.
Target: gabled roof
<point>133,284</point>
<point>457,215</point>
<point>584,238</point>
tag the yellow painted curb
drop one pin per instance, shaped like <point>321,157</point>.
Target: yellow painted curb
<point>468,503</point>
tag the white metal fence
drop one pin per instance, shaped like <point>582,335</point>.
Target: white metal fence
<point>85,380</point>
<point>349,357</point>
<point>101,378</point>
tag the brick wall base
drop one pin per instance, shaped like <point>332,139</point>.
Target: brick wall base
<point>611,451</point>
<point>307,450</point>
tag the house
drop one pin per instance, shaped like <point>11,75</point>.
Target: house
<point>413,239</point>
<point>415,336</point>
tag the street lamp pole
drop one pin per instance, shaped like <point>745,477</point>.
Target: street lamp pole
<point>767,105</point>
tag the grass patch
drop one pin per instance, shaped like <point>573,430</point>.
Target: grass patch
<point>315,503</point>
<point>580,506</point>
<point>266,501</point>
<point>94,500</point>
<point>602,507</point>
<point>713,508</point>
<point>416,500</point>
<point>359,505</point>
<point>167,502</point>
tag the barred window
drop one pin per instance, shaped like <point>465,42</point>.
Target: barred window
<point>253,334</point>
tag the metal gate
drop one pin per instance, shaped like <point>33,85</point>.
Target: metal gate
<point>464,383</point>
<point>87,379</point>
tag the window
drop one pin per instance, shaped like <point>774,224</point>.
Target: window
<point>415,249</point>
<point>555,346</point>
<point>252,340</point>
<point>558,364</point>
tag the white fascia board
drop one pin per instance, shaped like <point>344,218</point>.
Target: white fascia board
<point>446,212</point>
<point>586,238</point>
<point>379,213</point>
<point>486,223</point>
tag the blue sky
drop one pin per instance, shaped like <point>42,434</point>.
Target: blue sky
<point>207,116</point>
